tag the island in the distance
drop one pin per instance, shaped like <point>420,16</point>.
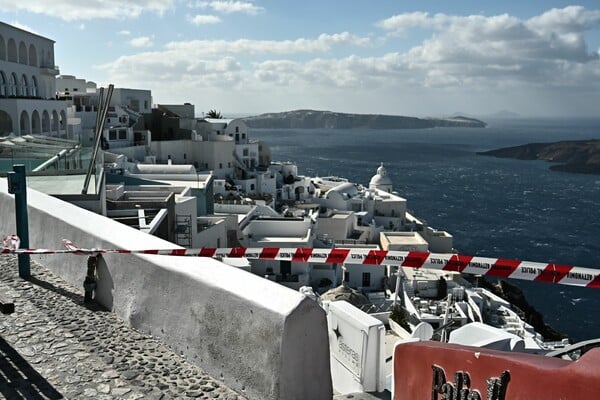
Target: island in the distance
<point>312,119</point>
<point>579,156</point>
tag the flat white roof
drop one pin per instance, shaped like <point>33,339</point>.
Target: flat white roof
<point>61,184</point>
<point>404,238</point>
<point>192,184</point>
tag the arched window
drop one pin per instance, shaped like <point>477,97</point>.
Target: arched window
<point>2,49</point>
<point>34,86</point>
<point>2,84</point>
<point>55,122</point>
<point>12,85</point>
<point>25,123</point>
<point>22,53</point>
<point>24,86</point>
<point>6,125</point>
<point>32,56</point>
<point>63,120</point>
<point>35,122</point>
<point>45,122</point>
<point>12,50</point>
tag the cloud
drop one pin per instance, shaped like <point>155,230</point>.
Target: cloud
<point>472,62</point>
<point>124,33</point>
<point>142,41</point>
<point>402,22</point>
<point>205,19</point>
<point>323,43</point>
<point>469,50</point>
<point>71,10</point>
<point>229,7</point>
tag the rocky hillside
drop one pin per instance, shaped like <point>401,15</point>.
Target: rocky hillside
<point>581,156</point>
<point>310,119</point>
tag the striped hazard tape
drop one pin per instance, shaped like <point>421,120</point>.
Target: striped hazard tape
<point>496,267</point>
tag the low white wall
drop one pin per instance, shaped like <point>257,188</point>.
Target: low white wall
<point>263,340</point>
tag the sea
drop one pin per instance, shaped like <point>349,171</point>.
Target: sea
<point>499,208</point>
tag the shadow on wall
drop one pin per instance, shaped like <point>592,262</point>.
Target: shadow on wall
<point>105,284</point>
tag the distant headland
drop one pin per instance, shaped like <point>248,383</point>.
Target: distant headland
<point>312,119</point>
<point>579,156</point>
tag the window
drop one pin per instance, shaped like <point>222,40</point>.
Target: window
<point>112,135</point>
<point>237,129</point>
<point>252,187</point>
<point>346,276</point>
<point>220,165</point>
<point>184,156</point>
<point>243,136</point>
<point>122,134</point>
<point>366,279</point>
<point>285,267</point>
<point>245,152</point>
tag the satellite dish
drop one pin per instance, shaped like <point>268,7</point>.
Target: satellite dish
<point>423,331</point>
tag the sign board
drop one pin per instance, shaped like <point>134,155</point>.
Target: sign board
<point>356,343</point>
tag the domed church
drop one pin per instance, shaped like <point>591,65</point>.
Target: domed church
<point>381,180</point>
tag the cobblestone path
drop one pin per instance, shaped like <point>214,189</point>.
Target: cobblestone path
<point>55,347</point>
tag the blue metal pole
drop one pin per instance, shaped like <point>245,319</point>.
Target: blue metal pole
<point>18,186</point>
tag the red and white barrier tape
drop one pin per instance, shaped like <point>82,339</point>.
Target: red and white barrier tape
<point>496,267</point>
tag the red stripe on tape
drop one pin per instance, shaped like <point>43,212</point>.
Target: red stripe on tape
<point>207,252</point>
<point>178,252</point>
<point>337,256</point>
<point>595,283</point>
<point>553,273</point>
<point>150,251</point>
<point>503,268</point>
<point>375,257</point>
<point>237,252</point>
<point>302,254</point>
<point>415,259</point>
<point>269,253</point>
<point>457,263</point>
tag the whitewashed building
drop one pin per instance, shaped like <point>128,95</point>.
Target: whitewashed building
<point>28,103</point>
<point>126,107</point>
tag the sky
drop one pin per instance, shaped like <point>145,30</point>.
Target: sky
<point>418,58</point>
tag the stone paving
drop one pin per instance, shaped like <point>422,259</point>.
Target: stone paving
<point>56,347</point>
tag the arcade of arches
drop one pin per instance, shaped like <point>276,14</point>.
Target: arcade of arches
<point>42,118</point>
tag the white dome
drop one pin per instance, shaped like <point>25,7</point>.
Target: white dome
<point>381,180</point>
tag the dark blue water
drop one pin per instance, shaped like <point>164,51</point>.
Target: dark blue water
<point>493,207</point>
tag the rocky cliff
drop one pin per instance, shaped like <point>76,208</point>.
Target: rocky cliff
<point>581,156</point>
<point>311,119</point>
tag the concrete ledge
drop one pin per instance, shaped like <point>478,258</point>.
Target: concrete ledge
<point>260,338</point>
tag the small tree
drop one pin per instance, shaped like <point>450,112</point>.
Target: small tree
<point>400,316</point>
<point>214,114</point>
